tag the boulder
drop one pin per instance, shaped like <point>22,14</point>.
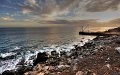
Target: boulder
<point>41,73</point>
<point>41,58</point>
<point>79,73</point>
<point>54,53</point>
<point>7,72</point>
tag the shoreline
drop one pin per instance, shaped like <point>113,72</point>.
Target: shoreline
<point>12,67</point>
<point>96,57</point>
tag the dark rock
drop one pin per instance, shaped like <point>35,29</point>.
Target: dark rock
<point>7,58</point>
<point>41,58</point>
<point>53,59</point>
<point>62,53</point>
<point>7,72</point>
<point>54,53</point>
<point>75,46</point>
<point>22,69</point>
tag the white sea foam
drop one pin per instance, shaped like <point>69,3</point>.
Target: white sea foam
<point>15,48</point>
<point>11,64</point>
<point>4,55</point>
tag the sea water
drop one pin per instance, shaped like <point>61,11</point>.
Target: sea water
<point>24,43</point>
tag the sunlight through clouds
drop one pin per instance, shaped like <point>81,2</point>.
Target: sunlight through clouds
<point>54,10</point>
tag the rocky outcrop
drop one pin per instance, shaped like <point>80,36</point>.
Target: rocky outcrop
<point>41,58</point>
<point>99,56</point>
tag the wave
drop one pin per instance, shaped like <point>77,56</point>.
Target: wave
<point>30,55</point>
<point>5,55</point>
<point>9,64</point>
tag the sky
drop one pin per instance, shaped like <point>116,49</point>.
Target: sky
<point>32,13</point>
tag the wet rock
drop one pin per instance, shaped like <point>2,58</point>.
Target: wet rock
<point>41,58</point>
<point>62,53</point>
<point>54,59</point>
<point>7,58</point>
<point>89,44</point>
<point>8,73</point>
<point>74,54</point>
<point>22,69</point>
<point>54,53</point>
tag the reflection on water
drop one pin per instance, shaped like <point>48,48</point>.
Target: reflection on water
<point>41,36</point>
<point>100,29</point>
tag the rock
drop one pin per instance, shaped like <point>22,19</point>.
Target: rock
<point>27,73</point>
<point>79,73</point>
<point>41,58</point>
<point>39,67</point>
<point>75,67</point>
<point>7,72</point>
<point>108,65</point>
<point>63,67</point>
<point>118,49</point>
<point>62,53</point>
<point>53,60</point>
<point>7,57</point>
<point>89,72</point>
<point>51,68</point>
<point>58,73</point>
<point>22,69</point>
<point>41,73</point>
<point>31,73</point>
<point>48,69</point>
<point>94,74</point>
<point>54,53</point>
<point>69,61</point>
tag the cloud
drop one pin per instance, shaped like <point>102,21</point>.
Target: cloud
<point>47,8</point>
<point>115,21</point>
<point>26,10</point>
<point>32,2</point>
<point>71,9</point>
<point>102,5</point>
<point>7,19</point>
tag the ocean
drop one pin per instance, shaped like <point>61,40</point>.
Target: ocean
<point>17,44</point>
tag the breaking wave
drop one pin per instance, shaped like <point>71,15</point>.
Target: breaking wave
<point>8,63</point>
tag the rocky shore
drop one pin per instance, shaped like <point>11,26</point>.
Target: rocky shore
<point>100,56</point>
